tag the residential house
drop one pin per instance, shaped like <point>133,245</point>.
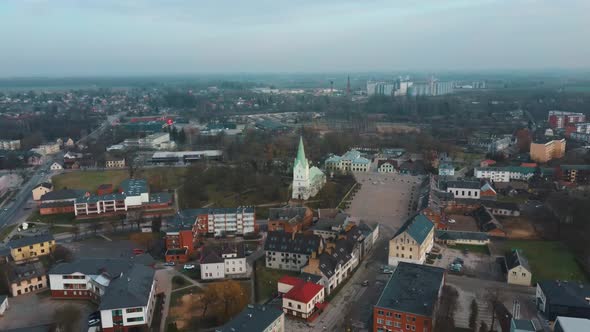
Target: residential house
<point>126,290</point>
<point>41,189</point>
<point>303,299</point>
<point>446,169</point>
<point>289,219</point>
<point>25,278</point>
<point>487,192</point>
<point>570,324</point>
<point>387,166</point>
<point>256,318</point>
<point>291,251</point>
<point>412,241</point>
<point>31,247</point>
<point>330,226</point>
<point>542,152</point>
<point>409,300</point>
<point>518,269</point>
<point>112,161</point>
<point>35,159</point>
<point>56,166</point>
<point>221,262</point>
<point>452,238</point>
<point>563,298</point>
<point>464,188</point>
<point>3,304</point>
<point>351,161</point>
<point>222,221</point>
<point>69,143</point>
<point>335,264</point>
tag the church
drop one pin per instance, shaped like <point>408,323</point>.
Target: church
<point>307,181</point>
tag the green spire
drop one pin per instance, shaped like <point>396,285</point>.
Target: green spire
<point>301,153</point>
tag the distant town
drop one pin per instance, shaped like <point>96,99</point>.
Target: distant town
<point>343,202</point>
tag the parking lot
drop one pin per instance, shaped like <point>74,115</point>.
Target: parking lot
<point>102,248</point>
<point>475,264</point>
<point>37,309</point>
<point>385,198</point>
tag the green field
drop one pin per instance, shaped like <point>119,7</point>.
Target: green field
<point>158,178</point>
<point>548,260</point>
<point>266,280</point>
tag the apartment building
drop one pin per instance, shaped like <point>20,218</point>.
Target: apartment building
<point>412,241</point>
<point>504,174</point>
<point>25,278</point>
<point>291,251</point>
<point>10,144</point>
<point>125,289</point>
<point>409,300</point>
<point>221,221</point>
<point>219,262</point>
<point>542,152</point>
<point>31,247</point>
<point>335,264</point>
<point>351,161</point>
<point>560,119</point>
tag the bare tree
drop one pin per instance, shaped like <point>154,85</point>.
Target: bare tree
<point>483,327</point>
<point>473,314</point>
<point>66,318</point>
<point>445,316</point>
<point>493,297</point>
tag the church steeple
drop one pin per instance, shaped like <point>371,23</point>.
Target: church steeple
<point>301,154</point>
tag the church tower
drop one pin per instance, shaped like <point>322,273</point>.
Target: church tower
<point>301,183</point>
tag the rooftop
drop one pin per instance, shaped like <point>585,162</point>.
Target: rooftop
<point>515,259</point>
<point>466,184</point>
<point>571,324</point>
<point>566,293</point>
<point>254,318</point>
<point>460,235</point>
<point>29,240</point>
<point>292,243</point>
<point>131,289</point>
<point>413,288</point>
<point>417,227</point>
<point>63,194</point>
<point>134,187</point>
<point>304,292</point>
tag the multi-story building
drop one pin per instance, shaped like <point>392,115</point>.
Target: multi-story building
<point>387,166</point>
<point>581,137</point>
<point>60,201</point>
<point>559,119</point>
<point>10,144</point>
<point>412,241</point>
<point>409,300</point>
<point>31,247</point>
<point>222,262</point>
<point>25,278</point>
<point>289,219</point>
<point>41,189</point>
<point>446,169</point>
<point>504,174</point>
<point>307,181</point>
<point>256,318</point>
<point>180,243</point>
<point>335,264</point>
<point>301,298</point>
<point>431,87</point>
<point>351,161</point>
<point>563,298</point>
<point>380,88</point>
<point>470,189</point>
<point>96,205</point>
<point>125,289</point>
<point>490,143</point>
<point>569,324</point>
<point>518,269</point>
<point>220,221</point>
<point>578,174</point>
<point>157,141</point>
<point>542,152</point>
<point>291,251</point>
<point>114,162</point>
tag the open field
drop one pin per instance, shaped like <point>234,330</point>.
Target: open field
<point>158,178</point>
<point>520,228</point>
<point>548,259</point>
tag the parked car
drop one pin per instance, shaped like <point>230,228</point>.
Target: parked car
<point>94,319</point>
<point>138,251</point>
<point>387,271</point>
<point>365,283</point>
<point>458,261</point>
<point>169,264</point>
<point>189,266</point>
<point>452,221</point>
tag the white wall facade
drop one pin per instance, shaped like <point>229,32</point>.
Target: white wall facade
<point>213,271</point>
<point>235,265</point>
<point>465,192</point>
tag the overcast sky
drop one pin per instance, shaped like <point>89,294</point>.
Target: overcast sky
<point>129,37</point>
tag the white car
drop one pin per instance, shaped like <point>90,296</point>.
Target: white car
<point>452,221</point>
<point>189,266</point>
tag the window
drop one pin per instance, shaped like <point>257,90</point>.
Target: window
<point>299,306</point>
<point>134,319</point>
<point>388,322</point>
<point>397,324</point>
<point>130,310</point>
<point>379,321</point>
<point>398,316</point>
<point>407,326</point>
<point>524,274</point>
<point>380,312</point>
<point>388,314</point>
<point>514,273</point>
<point>117,312</point>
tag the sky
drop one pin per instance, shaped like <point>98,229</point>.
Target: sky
<point>145,37</point>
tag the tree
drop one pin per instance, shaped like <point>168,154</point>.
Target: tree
<point>145,240</point>
<point>226,298</point>
<point>483,327</point>
<point>445,317</point>
<point>61,253</point>
<point>473,315</point>
<point>66,318</point>
<point>493,297</point>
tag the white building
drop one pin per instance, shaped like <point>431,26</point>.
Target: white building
<point>351,161</point>
<point>464,189</point>
<point>9,144</point>
<point>56,166</point>
<point>291,251</point>
<point>221,221</point>
<point>134,193</point>
<point>307,181</point>
<point>157,141</point>
<point>219,263</point>
<point>412,241</point>
<point>303,299</point>
<point>45,149</point>
<point>504,174</point>
<point>125,289</point>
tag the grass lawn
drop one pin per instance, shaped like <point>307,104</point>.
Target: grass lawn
<point>4,231</point>
<point>60,229</point>
<point>178,282</point>
<point>472,248</point>
<point>52,218</point>
<point>176,295</point>
<point>548,260</point>
<point>266,280</point>
<point>159,178</point>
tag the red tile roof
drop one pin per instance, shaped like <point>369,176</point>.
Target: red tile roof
<point>289,280</point>
<point>304,293</point>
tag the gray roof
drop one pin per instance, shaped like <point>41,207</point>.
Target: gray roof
<point>566,293</point>
<point>340,255</point>
<point>417,227</point>
<point>254,318</point>
<point>308,277</point>
<point>413,288</point>
<point>63,194</point>
<point>29,240</point>
<point>93,266</point>
<point>3,298</point>
<point>465,184</point>
<point>326,224</point>
<point>134,187</point>
<point>571,324</point>
<point>287,213</point>
<point>131,289</point>
<point>18,273</point>
<point>501,205</point>
<point>460,235</point>
<point>292,243</point>
<point>515,259</point>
